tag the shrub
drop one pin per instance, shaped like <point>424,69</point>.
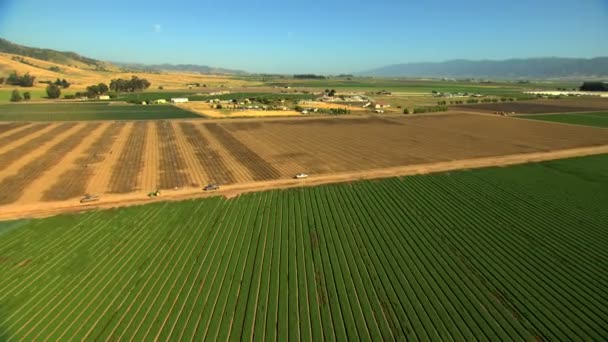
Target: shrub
<point>27,96</point>
<point>26,80</point>
<point>53,91</point>
<point>432,109</point>
<point>16,96</point>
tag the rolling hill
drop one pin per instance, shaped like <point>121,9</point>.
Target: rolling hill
<point>80,71</point>
<point>534,68</point>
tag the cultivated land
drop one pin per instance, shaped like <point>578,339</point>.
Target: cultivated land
<point>597,119</point>
<point>74,111</point>
<point>204,109</point>
<point>541,106</point>
<point>494,254</point>
<point>45,163</point>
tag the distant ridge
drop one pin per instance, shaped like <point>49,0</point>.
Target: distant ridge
<point>534,68</point>
<point>74,59</point>
<point>201,69</point>
<point>59,57</point>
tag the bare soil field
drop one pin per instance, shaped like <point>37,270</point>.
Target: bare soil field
<point>126,159</point>
<point>541,106</point>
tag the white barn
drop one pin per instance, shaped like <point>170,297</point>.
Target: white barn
<point>179,100</point>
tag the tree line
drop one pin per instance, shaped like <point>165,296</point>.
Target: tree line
<point>309,76</point>
<point>120,85</point>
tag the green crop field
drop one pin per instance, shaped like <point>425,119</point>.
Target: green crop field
<point>89,111</point>
<point>597,119</point>
<point>514,253</point>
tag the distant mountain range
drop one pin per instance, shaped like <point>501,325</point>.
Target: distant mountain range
<point>533,68</point>
<point>194,68</point>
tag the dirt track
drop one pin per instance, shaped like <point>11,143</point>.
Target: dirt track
<point>112,201</point>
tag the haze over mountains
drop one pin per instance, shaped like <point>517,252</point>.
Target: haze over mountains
<point>530,68</point>
<point>195,68</point>
<point>534,68</point>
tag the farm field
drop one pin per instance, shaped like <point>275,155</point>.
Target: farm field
<point>541,106</point>
<point>204,109</point>
<point>89,111</point>
<point>45,163</point>
<point>597,119</point>
<point>493,254</point>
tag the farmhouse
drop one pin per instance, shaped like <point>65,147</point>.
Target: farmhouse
<point>179,100</point>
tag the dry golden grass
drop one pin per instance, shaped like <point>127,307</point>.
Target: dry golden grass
<point>327,105</point>
<point>204,108</point>
<point>81,77</point>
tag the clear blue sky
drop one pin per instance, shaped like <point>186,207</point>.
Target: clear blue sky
<point>309,36</point>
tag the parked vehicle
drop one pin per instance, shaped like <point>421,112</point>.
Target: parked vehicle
<point>211,187</point>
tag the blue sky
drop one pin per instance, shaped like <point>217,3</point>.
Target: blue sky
<point>309,36</point>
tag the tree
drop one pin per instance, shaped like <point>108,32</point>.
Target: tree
<point>27,96</point>
<point>102,88</point>
<point>1,80</point>
<point>53,91</point>
<point>26,80</point>
<point>62,83</point>
<point>16,96</point>
<point>332,93</point>
<point>97,89</point>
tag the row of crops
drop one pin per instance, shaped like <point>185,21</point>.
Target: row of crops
<point>492,254</point>
<point>89,111</point>
<point>597,119</point>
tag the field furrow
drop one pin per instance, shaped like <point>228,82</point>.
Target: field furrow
<point>126,172</point>
<point>75,181</point>
<point>258,167</point>
<point>14,186</point>
<point>172,168</point>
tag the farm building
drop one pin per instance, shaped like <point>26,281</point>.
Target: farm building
<point>179,100</point>
<point>160,101</point>
<point>103,97</point>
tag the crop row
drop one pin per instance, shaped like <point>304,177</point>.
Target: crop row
<point>28,146</point>
<point>492,254</point>
<point>259,168</point>
<point>126,172</point>
<point>73,182</point>
<point>211,161</point>
<point>13,186</point>
<point>172,166</point>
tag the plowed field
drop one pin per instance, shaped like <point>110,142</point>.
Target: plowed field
<point>53,162</point>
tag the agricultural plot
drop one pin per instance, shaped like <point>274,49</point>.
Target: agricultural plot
<point>259,168</point>
<point>73,182</point>
<point>212,162</point>
<point>89,111</point>
<point>13,186</point>
<point>596,119</point>
<point>541,106</point>
<point>188,154</point>
<point>342,145</point>
<point>492,254</point>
